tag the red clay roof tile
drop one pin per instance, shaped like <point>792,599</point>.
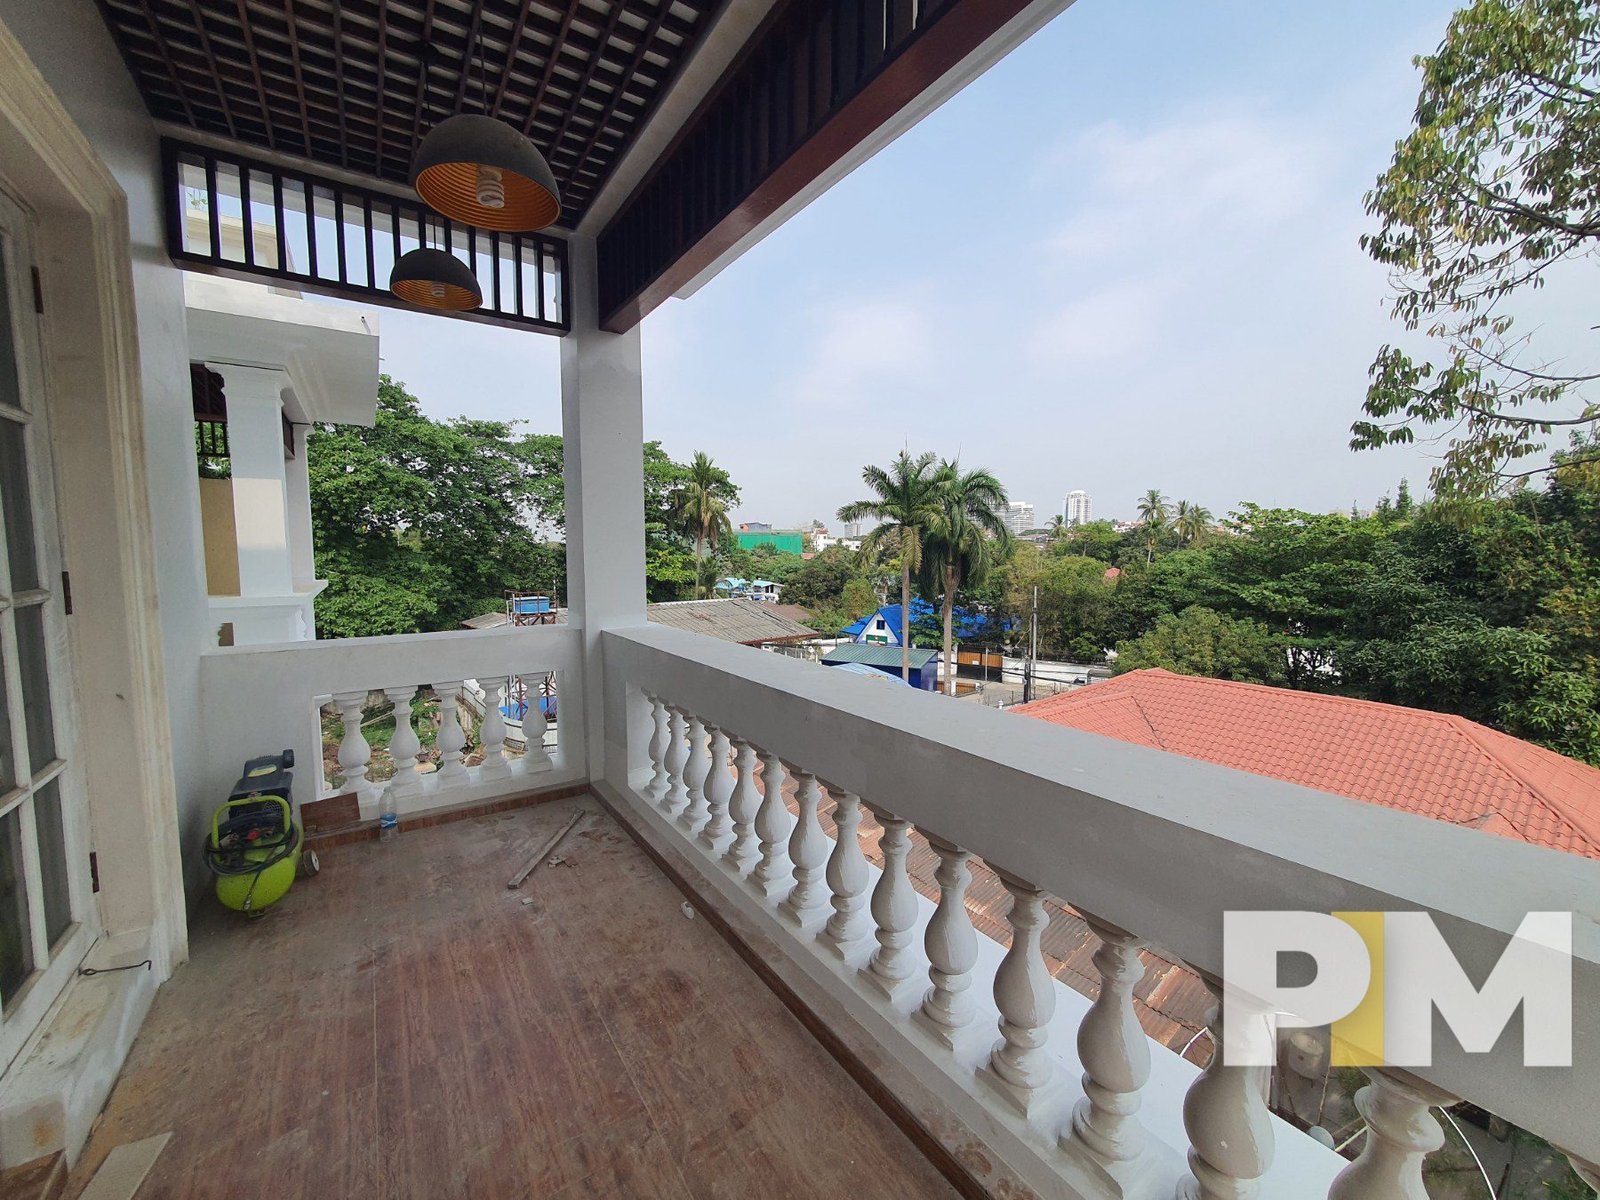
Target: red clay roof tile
<point>1433,764</point>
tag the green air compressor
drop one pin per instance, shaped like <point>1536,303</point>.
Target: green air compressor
<point>254,845</point>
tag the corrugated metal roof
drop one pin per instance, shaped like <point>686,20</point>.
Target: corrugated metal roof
<point>747,622</point>
<point>878,656</point>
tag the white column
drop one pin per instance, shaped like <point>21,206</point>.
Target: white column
<point>492,732</point>
<point>1401,1132</point>
<point>808,851</point>
<point>1115,1054</point>
<point>743,806</point>
<point>894,910</point>
<point>452,738</point>
<point>952,947</point>
<point>534,723</point>
<point>719,791</point>
<point>404,745</point>
<point>260,486</point>
<point>297,503</point>
<point>602,426</point>
<point>1019,1065</point>
<point>771,874</point>
<point>695,773</point>
<point>847,875</point>
<point>1225,1114</point>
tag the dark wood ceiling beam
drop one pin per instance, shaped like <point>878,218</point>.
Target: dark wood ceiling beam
<point>617,94</point>
<point>754,146</point>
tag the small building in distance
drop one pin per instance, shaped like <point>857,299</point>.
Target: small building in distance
<point>886,659</point>
<point>757,533</point>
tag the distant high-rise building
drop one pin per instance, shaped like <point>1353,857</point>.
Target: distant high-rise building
<point>1019,517</point>
<point>1080,509</point>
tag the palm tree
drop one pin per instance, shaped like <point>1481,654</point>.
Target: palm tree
<point>1192,522</point>
<point>1058,528</point>
<point>701,504</point>
<point>1153,511</point>
<point>904,503</point>
<point>965,540</point>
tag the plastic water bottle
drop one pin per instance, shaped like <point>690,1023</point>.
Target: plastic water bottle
<point>388,826</point>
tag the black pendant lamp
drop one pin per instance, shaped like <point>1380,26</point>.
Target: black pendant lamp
<point>431,278</point>
<point>478,170</point>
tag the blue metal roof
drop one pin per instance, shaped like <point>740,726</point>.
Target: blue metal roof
<point>964,622</point>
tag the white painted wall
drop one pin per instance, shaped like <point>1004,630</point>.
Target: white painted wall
<point>68,42</point>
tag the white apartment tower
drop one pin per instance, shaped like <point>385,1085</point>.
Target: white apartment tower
<point>1080,509</point>
<point>1019,517</point>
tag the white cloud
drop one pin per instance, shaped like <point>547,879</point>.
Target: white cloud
<point>1107,324</point>
<point>1178,183</point>
<point>861,345</point>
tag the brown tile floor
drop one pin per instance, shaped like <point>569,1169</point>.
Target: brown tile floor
<point>403,1026</point>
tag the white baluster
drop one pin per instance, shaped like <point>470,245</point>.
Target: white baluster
<point>534,723</point>
<point>1115,1054</point>
<point>492,730</point>
<point>847,876</point>
<point>894,910</point>
<point>771,873</point>
<point>354,753</point>
<point>951,945</point>
<point>404,746</point>
<point>452,738</point>
<point>659,782</point>
<point>1401,1132</point>
<point>677,756</point>
<point>695,773</point>
<point>719,790</point>
<point>743,807</point>
<point>808,851</point>
<point>1585,1170</point>
<point>1019,1065</point>
<point>1225,1114</point>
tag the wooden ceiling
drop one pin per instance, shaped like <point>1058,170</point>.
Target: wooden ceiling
<point>356,84</point>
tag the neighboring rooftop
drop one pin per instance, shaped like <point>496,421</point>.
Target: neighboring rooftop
<point>748,622</point>
<point>1429,763</point>
<point>878,656</point>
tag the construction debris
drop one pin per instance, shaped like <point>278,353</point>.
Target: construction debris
<point>545,852</point>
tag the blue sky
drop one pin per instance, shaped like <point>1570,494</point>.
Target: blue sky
<point>1124,258</point>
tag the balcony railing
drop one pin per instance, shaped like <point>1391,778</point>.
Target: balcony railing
<point>275,695</point>
<point>1150,847</point>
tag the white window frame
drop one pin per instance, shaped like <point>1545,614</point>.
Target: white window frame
<point>54,965</point>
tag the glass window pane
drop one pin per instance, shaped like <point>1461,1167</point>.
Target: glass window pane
<point>16,503</point>
<point>52,859</point>
<point>8,760</point>
<point>35,670</point>
<point>16,941</point>
<point>10,388</point>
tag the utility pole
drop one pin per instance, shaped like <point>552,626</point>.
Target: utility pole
<point>1033,649</point>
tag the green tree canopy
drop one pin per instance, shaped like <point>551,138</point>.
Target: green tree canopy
<point>1493,187</point>
<point>419,524</point>
<point>905,503</point>
<point>1198,641</point>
